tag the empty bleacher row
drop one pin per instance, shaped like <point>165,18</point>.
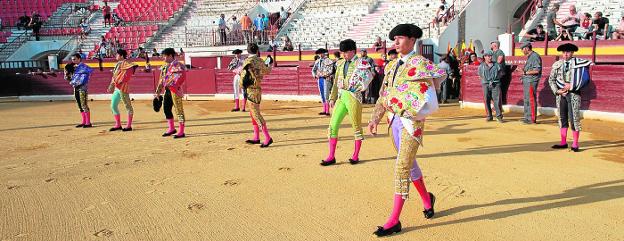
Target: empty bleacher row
<point>148,10</point>
<point>326,21</point>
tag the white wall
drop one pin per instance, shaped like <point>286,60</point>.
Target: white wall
<point>31,49</point>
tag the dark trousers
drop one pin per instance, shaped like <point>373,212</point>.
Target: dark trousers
<point>222,36</point>
<point>565,112</point>
<point>77,97</point>
<point>530,100</point>
<point>168,104</point>
<point>444,90</point>
<point>492,93</point>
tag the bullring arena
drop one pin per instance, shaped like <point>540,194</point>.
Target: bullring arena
<point>492,180</point>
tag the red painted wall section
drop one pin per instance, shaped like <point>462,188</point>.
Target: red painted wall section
<point>201,81</point>
<point>604,93</point>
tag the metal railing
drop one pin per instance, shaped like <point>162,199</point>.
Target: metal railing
<point>9,48</point>
<point>529,11</point>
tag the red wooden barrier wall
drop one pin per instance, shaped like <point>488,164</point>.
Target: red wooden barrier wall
<point>604,93</point>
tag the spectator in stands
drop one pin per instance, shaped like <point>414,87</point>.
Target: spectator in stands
<point>259,27</point>
<point>155,53</point>
<point>85,29</point>
<point>236,34</point>
<point>572,20</point>
<point>265,27</point>
<point>268,61</point>
<point>563,35</point>
<point>618,33</point>
<point>82,55</point>
<point>474,60</point>
<point>246,26</point>
<point>106,10</point>
<point>288,45</point>
<point>600,26</point>
<point>392,55</point>
<point>103,45</point>
<point>536,34</point>
<point>441,13</point>
<point>118,20</point>
<point>551,20</point>
<point>23,22</point>
<point>222,28</point>
<point>273,44</point>
<point>584,27</point>
<point>283,16</point>
<point>378,44</point>
<point>35,24</point>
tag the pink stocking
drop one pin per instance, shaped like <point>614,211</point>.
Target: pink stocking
<point>564,136</point>
<point>332,149</point>
<point>575,135</point>
<point>396,211</point>
<point>356,151</point>
<point>422,190</point>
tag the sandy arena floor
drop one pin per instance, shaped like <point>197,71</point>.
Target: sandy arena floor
<point>492,181</point>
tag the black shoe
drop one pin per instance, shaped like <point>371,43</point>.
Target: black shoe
<point>559,146</point>
<point>268,144</point>
<point>430,212</point>
<point>179,136</point>
<point>243,110</point>
<point>127,129</point>
<point>115,129</point>
<point>575,149</point>
<point>79,125</point>
<point>253,141</point>
<point>489,119</point>
<point>87,126</point>
<point>381,232</point>
<point>327,114</point>
<point>235,110</point>
<point>322,113</point>
<point>170,133</point>
<point>328,163</point>
<point>353,162</point>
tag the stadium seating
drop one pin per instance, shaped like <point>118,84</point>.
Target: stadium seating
<point>201,22</point>
<point>130,37</point>
<point>611,9</point>
<point>13,9</point>
<point>148,10</point>
<point>326,21</point>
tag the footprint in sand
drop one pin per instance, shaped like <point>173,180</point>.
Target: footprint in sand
<point>189,154</point>
<point>301,155</point>
<point>50,180</point>
<point>284,169</point>
<point>89,208</point>
<point>103,233</point>
<point>230,148</point>
<point>195,207</point>
<point>138,160</point>
<point>13,187</point>
<point>230,182</point>
<point>86,178</point>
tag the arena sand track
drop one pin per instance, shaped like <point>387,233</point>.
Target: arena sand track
<point>492,181</point>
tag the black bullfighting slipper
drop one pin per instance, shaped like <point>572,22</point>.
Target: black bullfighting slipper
<point>268,144</point>
<point>559,146</point>
<point>381,232</point>
<point>430,212</point>
<point>169,133</point>
<point>353,162</point>
<point>328,163</point>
